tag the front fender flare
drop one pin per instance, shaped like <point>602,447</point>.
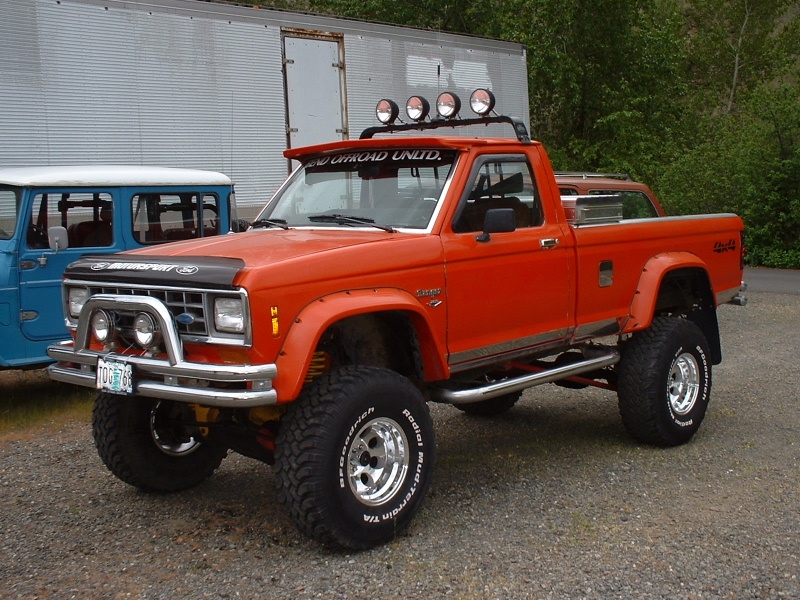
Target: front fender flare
<point>312,321</point>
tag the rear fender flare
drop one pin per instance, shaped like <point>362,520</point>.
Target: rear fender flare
<point>643,306</point>
<point>308,326</point>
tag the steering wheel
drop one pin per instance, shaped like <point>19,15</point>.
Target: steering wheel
<point>37,236</point>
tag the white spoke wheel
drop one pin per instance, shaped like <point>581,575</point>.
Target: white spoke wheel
<point>353,457</point>
<point>665,382</point>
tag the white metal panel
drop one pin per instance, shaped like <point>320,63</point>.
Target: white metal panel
<point>313,91</point>
<point>91,84</point>
<point>380,66</point>
<point>200,84</point>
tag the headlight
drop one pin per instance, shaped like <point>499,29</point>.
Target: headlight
<point>145,331</point>
<point>102,326</point>
<point>76,298</point>
<point>229,315</point>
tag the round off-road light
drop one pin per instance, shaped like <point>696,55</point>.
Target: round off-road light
<point>448,105</point>
<point>481,102</point>
<point>102,326</point>
<point>387,111</point>
<point>417,108</point>
<point>145,331</point>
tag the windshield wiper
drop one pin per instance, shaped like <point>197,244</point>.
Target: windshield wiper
<point>348,220</point>
<point>270,223</point>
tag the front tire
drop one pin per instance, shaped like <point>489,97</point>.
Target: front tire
<point>354,457</point>
<point>665,382</point>
<point>149,443</point>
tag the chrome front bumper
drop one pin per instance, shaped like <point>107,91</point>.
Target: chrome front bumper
<point>171,378</point>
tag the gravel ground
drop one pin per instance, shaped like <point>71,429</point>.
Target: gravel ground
<point>551,500</point>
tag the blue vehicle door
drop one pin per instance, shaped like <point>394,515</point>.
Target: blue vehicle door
<point>89,217</point>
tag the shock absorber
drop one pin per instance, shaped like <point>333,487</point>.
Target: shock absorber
<point>320,362</point>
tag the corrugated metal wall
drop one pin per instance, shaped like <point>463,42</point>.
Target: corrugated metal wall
<point>380,67</point>
<point>198,84</point>
<point>88,84</point>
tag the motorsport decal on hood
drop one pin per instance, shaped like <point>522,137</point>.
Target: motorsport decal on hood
<point>202,271</point>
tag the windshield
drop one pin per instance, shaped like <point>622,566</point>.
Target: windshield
<point>9,211</point>
<point>388,189</point>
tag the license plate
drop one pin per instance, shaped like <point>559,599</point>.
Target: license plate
<point>114,376</point>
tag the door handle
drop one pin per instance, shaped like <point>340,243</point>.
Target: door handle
<point>548,243</point>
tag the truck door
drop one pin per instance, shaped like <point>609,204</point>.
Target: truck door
<point>508,293</point>
<point>88,218</point>
<point>314,80</point>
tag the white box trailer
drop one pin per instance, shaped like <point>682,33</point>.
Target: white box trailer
<point>217,86</point>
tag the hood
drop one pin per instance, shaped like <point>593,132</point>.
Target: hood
<point>267,246</point>
<point>215,261</point>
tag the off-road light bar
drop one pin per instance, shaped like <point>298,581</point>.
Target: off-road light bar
<point>387,111</point>
<point>417,108</point>
<point>448,105</point>
<point>481,102</point>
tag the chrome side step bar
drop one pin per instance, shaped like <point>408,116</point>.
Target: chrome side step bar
<point>517,384</point>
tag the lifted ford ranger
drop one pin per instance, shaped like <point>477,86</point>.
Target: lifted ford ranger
<point>388,272</point>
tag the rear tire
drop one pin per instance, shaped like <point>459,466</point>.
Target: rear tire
<point>146,443</point>
<point>665,382</point>
<point>354,457</point>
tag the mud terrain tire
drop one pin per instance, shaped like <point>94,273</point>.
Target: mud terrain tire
<point>665,382</point>
<point>144,443</point>
<point>354,456</point>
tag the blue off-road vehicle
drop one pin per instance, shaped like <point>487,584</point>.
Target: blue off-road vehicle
<point>51,216</point>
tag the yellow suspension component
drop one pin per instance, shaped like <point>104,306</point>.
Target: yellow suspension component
<point>205,414</point>
<point>320,363</point>
<point>261,414</point>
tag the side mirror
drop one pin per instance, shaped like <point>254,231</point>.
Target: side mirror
<point>497,220</point>
<point>57,236</point>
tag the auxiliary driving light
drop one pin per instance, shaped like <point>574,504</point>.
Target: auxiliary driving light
<point>102,326</point>
<point>417,108</point>
<point>387,111</point>
<point>448,105</point>
<point>481,102</point>
<point>145,331</point>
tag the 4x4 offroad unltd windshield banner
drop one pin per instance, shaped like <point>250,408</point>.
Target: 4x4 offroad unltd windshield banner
<point>211,272</point>
<point>381,160</point>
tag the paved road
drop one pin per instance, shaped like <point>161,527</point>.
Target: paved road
<point>552,500</point>
<point>779,281</point>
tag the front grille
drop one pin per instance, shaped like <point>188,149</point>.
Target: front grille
<point>188,308</point>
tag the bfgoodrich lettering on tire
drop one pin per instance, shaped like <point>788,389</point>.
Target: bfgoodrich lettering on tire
<point>665,382</point>
<point>354,456</point>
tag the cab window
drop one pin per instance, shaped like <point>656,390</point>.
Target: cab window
<point>501,183</point>
<point>88,218</point>
<point>159,218</point>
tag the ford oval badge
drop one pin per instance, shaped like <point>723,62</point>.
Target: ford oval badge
<point>185,319</point>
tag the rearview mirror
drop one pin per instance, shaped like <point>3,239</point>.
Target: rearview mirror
<point>57,237</point>
<point>497,220</point>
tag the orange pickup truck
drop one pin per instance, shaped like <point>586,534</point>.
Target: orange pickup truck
<point>388,272</point>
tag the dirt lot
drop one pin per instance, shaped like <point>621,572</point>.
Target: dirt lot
<point>552,500</point>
